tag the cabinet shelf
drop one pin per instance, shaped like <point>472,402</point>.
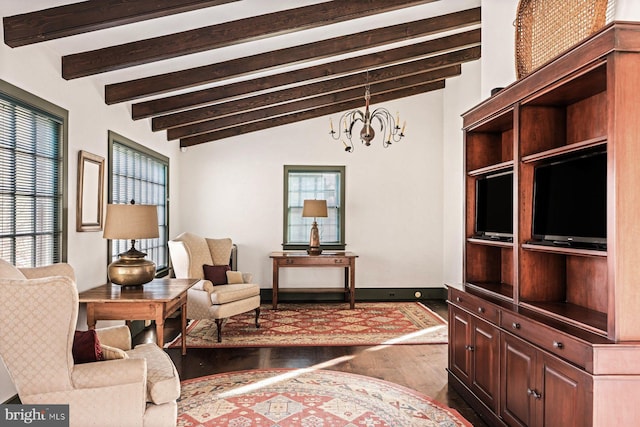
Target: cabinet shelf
<point>501,291</point>
<point>486,242</point>
<point>504,166</point>
<point>578,316</point>
<point>563,250</point>
<point>600,141</point>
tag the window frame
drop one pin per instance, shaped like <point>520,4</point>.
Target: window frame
<point>341,217</point>
<point>35,103</point>
<point>115,138</point>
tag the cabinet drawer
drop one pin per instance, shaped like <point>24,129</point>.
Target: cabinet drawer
<point>314,261</point>
<point>475,305</point>
<point>547,338</point>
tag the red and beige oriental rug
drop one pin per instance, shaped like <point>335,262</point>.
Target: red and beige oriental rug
<point>306,398</point>
<point>329,324</point>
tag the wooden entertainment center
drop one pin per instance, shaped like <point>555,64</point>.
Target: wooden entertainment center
<point>540,334</point>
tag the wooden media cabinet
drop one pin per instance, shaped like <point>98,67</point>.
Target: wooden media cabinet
<point>540,334</point>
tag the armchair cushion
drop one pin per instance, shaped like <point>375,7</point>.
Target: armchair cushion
<point>225,294</point>
<point>86,347</point>
<point>216,274</point>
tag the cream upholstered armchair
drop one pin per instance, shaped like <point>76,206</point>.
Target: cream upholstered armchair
<point>190,254</point>
<point>38,315</point>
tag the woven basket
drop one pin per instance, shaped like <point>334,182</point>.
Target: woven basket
<point>547,28</point>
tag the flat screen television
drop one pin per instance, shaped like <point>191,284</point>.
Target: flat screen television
<point>570,201</point>
<point>494,206</point>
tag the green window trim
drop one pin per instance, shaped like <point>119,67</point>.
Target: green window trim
<point>145,179</point>
<point>36,131</point>
<point>331,228</point>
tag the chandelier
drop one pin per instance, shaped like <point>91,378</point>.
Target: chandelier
<point>389,126</point>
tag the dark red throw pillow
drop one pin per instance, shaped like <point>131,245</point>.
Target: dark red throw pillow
<point>216,274</point>
<point>86,347</point>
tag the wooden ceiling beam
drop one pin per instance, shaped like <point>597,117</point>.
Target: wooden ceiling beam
<point>288,95</point>
<point>92,15</point>
<point>221,35</point>
<point>338,45</point>
<point>305,115</point>
<point>326,99</point>
<point>331,85</point>
<point>147,86</point>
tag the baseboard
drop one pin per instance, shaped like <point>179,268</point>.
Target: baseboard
<point>362,294</point>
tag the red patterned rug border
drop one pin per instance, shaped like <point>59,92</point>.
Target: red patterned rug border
<point>377,381</point>
<point>177,342</point>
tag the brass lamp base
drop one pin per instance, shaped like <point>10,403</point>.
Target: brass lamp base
<point>314,240</point>
<point>314,251</point>
<point>131,269</point>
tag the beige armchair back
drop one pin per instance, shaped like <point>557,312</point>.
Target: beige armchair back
<point>38,317</point>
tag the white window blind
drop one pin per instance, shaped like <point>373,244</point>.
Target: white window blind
<point>141,176</point>
<point>31,230</point>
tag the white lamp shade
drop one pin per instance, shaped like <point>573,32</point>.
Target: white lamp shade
<point>314,208</point>
<point>131,222</point>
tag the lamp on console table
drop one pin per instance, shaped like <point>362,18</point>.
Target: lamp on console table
<point>314,209</point>
<point>131,222</point>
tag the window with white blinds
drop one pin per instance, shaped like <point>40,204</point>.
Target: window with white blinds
<point>32,147</point>
<point>320,183</point>
<point>142,175</point>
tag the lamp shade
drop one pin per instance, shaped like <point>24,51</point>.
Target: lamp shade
<point>314,208</point>
<point>131,222</point>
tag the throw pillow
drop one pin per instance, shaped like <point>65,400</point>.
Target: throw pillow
<point>216,274</point>
<point>234,277</point>
<point>111,353</point>
<point>86,347</point>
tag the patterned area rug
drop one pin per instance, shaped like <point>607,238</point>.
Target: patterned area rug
<point>323,325</point>
<point>288,397</point>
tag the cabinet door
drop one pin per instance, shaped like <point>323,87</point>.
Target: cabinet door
<point>566,394</point>
<point>517,373</point>
<point>459,344</point>
<point>485,350</point>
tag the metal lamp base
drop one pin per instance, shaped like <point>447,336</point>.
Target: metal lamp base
<point>131,271</point>
<point>314,251</point>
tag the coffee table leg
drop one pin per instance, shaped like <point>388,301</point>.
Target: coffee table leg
<point>160,331</point>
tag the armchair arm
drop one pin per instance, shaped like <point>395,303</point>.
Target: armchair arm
<point>247,277</point>
<point>110,373</point>
<point>115,336</point>
<point>59,269</point>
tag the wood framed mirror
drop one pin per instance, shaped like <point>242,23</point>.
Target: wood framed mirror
<point>89,206</point>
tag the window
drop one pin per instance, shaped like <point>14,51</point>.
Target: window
<point>33,144</point>
<point>313,182</point>
<point>142,175</point>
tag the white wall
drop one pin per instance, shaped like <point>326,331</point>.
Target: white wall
<point>234,187</point>
<point>36,69</point>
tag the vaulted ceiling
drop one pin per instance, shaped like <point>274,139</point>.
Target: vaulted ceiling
<point>203,70</point>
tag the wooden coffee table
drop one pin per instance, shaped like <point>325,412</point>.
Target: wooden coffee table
<point>155,300</point>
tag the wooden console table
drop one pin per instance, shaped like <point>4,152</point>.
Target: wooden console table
<point>346,260</point>
<point>155,300</point>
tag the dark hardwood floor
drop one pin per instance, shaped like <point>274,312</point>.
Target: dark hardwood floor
<point>419,367</point>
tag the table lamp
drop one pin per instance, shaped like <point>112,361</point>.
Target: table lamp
<point>131,222</point>
<point>314,209</point>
